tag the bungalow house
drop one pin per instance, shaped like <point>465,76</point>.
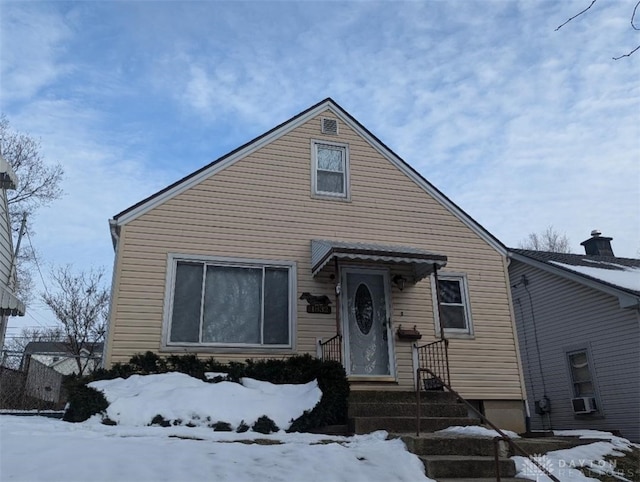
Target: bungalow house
<point>10,305</point>
<point>316,237</point>
<point>578,318</point>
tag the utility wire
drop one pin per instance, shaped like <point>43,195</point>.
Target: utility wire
<point>535,335</point>
<point>526,349</point>
<point>35,258</point>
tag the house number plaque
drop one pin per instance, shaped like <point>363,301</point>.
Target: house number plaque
<point>324,309</point>
<point>317,304</point>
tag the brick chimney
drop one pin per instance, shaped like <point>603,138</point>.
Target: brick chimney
<point>597,245</point>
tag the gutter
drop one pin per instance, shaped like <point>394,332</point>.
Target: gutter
<point>114,228</point>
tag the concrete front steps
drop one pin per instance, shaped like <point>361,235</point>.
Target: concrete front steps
<point>396,411</point>
<point>460,457</point>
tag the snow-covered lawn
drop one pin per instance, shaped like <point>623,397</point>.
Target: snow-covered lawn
<point>35,448</point>
<point>41,449</point>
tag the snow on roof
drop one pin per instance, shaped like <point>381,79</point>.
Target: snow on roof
<point>615,274</point>
<point>622,274</point>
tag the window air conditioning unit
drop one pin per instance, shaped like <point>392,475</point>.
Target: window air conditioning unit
<point>584,405</point>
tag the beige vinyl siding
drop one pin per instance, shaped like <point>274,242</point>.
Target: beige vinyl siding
<point>261,207</point>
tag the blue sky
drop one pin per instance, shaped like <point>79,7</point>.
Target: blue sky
<point>520,125</point>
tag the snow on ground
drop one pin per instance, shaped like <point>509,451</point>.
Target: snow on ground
<point>564,464</point>
<point>36,448</point>
<point>476,431</point>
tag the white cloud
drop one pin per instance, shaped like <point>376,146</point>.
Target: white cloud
<point>31,40</point>
<point>520,125</point>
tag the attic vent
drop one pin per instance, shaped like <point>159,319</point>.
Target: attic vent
<point>329,126</point>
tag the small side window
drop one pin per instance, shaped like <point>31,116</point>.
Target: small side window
<point>454,316</point>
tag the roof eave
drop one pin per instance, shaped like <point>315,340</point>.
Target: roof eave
<point>626,298</point>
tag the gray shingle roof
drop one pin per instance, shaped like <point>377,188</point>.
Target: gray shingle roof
<point>566,261</point>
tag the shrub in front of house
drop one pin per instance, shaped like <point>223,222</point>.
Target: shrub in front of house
<point>83,402</point>
<point>298,369</point>
<point>264,425</point>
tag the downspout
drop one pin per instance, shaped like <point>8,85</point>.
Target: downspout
<point>435,279</point>
<point>115,239</point>
<point>506,262</point>
<point>338,292</point>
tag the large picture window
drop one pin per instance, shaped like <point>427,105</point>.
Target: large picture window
<point>224,303</point>
<point>454,317</point>
<point>331,170</point>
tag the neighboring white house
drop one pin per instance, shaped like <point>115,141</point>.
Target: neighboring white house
<point>60,357</point>
<point>10,305</point>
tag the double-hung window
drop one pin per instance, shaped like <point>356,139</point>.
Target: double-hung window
<point>227,302</point>
<point>330,169</point>
<point>454,316</point>
<point>581,374</point>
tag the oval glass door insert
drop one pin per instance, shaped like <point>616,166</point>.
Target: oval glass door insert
<point>364,309</point>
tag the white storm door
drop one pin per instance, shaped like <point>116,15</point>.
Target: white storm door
<point>367,323</point>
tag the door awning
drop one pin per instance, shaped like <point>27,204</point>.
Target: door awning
<point>10,305</point>
<point>421,261</point>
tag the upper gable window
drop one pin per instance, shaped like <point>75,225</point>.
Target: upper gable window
<point>330,170</point>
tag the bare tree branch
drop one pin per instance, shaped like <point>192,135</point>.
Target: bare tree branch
<point>38,186</point>
<point>80,303</point>
<point>627,54</point>
<point>548,240</point>
<point>576,15</point>
<point>633,16</point>
<point>633,26</point>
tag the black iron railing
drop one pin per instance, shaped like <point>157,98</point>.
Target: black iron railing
<point>515,448</point>
<point>435,357</point>
<point>331,349</point>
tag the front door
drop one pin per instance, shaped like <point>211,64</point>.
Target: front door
<point>367,328</point>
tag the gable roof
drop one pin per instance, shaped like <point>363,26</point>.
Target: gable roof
<point>210,169</point>
<point>611,274</point>
<point>58,348</point>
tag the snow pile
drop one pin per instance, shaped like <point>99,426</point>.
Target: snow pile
<point>476,431</point>
<point>135,401</point>
<point>564,464</point>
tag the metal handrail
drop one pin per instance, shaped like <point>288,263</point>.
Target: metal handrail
<point>332,348</point>
<point>435,355</point>
<point>514,446</point>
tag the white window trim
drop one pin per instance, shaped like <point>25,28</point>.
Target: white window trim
<point>346,196</point>
<point>172,261</point>
<point>464,285</point>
